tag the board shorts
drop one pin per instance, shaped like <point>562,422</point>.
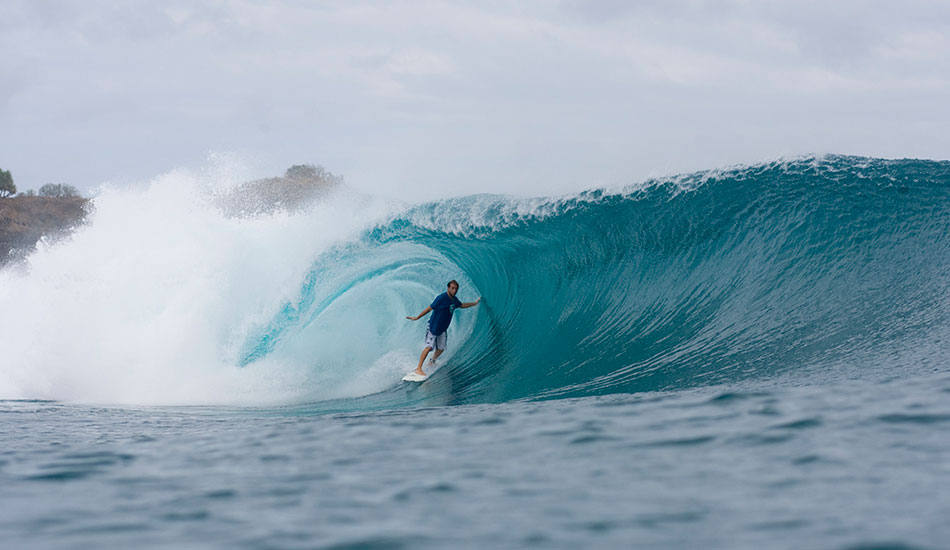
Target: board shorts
<point>435,342</point>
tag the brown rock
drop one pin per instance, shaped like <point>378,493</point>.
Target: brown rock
<point>24,220</point>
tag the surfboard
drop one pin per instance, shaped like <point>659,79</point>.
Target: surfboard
<point>428,369</point>
<point>413,377</point>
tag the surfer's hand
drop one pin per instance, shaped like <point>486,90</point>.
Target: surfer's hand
<point>412,318</point>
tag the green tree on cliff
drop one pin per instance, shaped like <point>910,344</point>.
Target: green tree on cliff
<point>7,189</point>
<point>58,190</point>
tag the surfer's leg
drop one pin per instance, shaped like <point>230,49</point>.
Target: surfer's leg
<point>422,359</point>
<point>438,343</point>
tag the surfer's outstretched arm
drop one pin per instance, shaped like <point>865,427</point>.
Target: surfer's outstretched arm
<point>470,304</point>
<point>423,314</point>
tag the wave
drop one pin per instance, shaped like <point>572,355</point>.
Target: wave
<point>830,266</point>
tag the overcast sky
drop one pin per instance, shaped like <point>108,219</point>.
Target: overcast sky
<point>420,99</point>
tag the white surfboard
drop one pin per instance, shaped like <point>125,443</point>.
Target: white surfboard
<point>413,377</point>
<point>428,369</point>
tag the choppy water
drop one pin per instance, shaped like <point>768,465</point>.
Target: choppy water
<point>847,465</point>
<point>749,358</point>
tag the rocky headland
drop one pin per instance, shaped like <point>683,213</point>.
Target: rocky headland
<point>24,220</point>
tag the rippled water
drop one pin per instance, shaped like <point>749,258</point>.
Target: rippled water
<point>845,465</point>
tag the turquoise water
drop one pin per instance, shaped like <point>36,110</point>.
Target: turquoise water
<point>749,358</point>
<point>837,265</point>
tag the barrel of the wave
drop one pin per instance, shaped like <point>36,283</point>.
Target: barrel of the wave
<point>815,265</point>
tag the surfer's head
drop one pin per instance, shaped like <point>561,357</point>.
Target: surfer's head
<point>453,287</point>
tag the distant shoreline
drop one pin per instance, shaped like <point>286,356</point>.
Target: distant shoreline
<point>25,219</point>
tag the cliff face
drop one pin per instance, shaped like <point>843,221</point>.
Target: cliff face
<point>24,220</point>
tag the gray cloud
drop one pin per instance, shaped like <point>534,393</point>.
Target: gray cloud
<point>445,98</point>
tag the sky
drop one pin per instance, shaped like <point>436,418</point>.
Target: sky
<point>425,99</point>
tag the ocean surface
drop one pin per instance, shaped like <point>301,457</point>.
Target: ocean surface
<point>754,357</point>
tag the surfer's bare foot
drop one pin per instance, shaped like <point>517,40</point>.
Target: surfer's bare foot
<point>419,372</point>
<point>431,362</point>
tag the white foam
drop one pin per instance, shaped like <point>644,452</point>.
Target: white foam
<point>152,301</point>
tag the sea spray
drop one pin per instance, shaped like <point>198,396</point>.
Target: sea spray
<point>151,301</point>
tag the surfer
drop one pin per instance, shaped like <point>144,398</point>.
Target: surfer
<point>442,308</point>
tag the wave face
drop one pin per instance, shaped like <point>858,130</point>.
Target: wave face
<point>823,267</point>
<point>837,263</point>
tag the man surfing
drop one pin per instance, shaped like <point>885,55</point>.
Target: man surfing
<point>442,308</point>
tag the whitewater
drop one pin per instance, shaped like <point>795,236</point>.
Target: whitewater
<point>750,357</point>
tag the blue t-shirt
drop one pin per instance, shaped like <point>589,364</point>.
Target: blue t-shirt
<point>442,308</point>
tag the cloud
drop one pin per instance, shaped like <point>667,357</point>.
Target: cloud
<point>532,97</point>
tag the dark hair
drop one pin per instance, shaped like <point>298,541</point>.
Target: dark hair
<point>453,282</point>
